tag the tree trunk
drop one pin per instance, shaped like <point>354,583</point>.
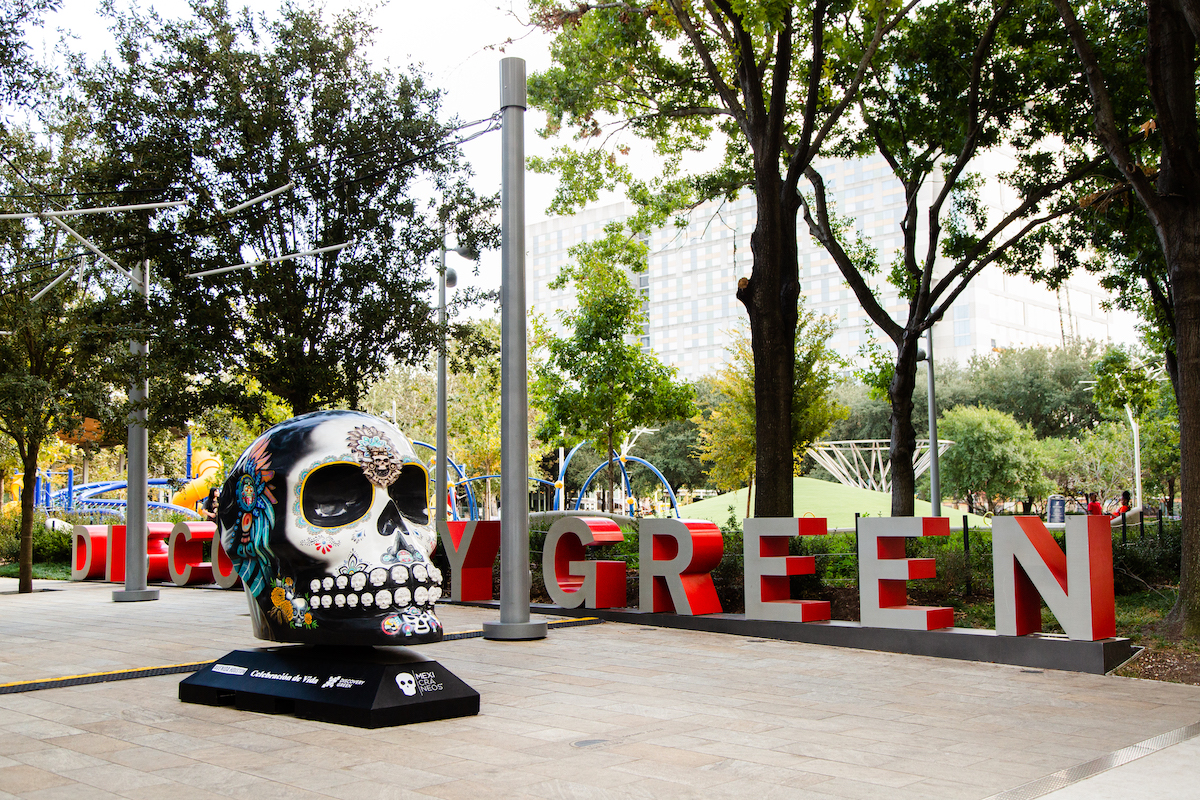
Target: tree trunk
<point>1183,261</point>
<point>28,500</point>
<point>904,435</point>
<point>770,297</point>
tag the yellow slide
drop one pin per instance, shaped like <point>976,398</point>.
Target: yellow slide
<point>208,468</point>
<point>14,490</point>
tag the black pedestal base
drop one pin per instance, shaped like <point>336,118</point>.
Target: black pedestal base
<point>360,686</point>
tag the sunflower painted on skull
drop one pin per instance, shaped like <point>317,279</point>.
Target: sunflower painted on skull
<point>325,518</point>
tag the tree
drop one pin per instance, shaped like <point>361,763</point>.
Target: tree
<point>1160,447</point>
<point>1103,459</point>
<point>20,75</point>
<point>993,455</point>
<point>474,401</point>
<point>1129,386</point>
<point>226,108</point>
<point>767,82</point>
<point>1042,387</point>
<point>595,383</point>
<point>958,84</point>
<point>674,450</point>
<point>61,348</point>
<point>1169,191</point>
<point>728,434</point>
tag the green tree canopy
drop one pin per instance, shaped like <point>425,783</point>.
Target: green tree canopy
<point>59,358</point>
<point>957,84</point>
<point>728,431</point>
<point>224,107</point>
<point>1046,388</point>
<point>993,455</point>
<point>595,383</point>
<point>1146,124</point>
<point>760,84</point>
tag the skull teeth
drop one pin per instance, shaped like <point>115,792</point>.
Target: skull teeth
<point>363,589</point>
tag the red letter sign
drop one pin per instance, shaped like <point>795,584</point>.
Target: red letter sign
<point>676,557</point>
<point>884,572</point>
<point>1077,585</point>
<point>471,548</point>
<point>185,553</point>
<point>89,549</point>
<point>572,581</point>
<point>769,569</point>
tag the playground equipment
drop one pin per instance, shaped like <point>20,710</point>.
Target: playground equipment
<point>89,498</point>
<point>865,463</point>
<point>207,471</point>
<point>457,478</point>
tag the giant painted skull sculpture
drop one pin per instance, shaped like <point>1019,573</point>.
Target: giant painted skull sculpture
<point>325,518</point>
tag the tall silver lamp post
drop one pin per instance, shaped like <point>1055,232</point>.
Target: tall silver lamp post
<point>138,461</point>
<point>935,477</point>
<point>515,578</point>
<point>446,278</point>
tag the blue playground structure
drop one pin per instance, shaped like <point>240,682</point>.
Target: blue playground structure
<point>89,498</point>
<point>473,510</point>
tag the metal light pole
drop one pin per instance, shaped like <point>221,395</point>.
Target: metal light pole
<point>138,456</point>
<point>935,478</point>
<point>1137,455</point>
<point>515,578</point>
<point>446,278</point>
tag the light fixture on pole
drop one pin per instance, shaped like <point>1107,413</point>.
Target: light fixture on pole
<point>447,277</point>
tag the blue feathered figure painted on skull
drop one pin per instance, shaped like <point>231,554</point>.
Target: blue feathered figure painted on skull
<point>256,502</point>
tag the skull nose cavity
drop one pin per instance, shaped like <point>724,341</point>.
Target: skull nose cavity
<point>390,521</point>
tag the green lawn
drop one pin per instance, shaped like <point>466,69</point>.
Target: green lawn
<point>835,502</point>
<point>50,571</point>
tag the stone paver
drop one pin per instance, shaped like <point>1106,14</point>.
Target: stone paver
<point>621,711</point>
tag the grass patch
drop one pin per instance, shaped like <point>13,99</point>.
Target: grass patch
<point>49,571</point>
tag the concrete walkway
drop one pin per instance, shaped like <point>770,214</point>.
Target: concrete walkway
<point>606,710</point>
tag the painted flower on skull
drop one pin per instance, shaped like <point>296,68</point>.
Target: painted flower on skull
<point>256,502</point>
<point>290,607</point>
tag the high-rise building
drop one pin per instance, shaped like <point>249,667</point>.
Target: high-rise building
<point>689,287</point>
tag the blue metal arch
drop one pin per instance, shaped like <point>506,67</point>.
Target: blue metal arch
<point>624,474</point>
<point>661,477</point>
<point>472,505</point>
<point>485,477</point>
<point>560,494</point>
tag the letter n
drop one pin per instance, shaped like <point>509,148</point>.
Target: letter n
<point>1077,585</point>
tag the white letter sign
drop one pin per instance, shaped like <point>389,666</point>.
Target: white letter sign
<point>769,568</point>
<point>1077,585</point>
<point>883,573</point>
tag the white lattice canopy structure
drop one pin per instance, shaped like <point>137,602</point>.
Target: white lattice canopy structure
<point>865,462</point>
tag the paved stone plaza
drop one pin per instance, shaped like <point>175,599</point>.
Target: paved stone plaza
<point>606,710</point>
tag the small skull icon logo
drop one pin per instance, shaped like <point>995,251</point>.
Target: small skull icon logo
<point>407,683</point>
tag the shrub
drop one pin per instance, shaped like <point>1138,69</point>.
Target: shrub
<point>48,546</point>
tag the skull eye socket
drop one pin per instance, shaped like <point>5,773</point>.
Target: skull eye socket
<point>335,495</point>
<point>408,493</point>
